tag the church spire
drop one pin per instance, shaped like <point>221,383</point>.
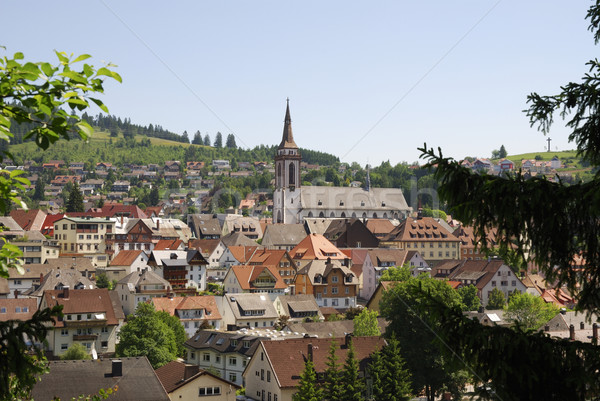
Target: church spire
<point>288,138</point>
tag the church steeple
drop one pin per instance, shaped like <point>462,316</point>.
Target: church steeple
<point>287,142</point>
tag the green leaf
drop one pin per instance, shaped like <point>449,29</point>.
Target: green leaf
<point>62,57</point>
<point>106,72</point>
<point>81,58</point>
<point>85,130</point>
<point>75,76</point>
<point>47,69</point>
<point>18,56</point>
<point>100,104</point>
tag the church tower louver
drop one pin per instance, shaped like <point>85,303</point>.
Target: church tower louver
<point>286,198</point>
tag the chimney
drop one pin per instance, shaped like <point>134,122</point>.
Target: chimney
<point>310,352</point>
<point>117,368</point>
<point>546,328</point>
<point>595,333</point>
<point>572,333</point>
<point>347,339</point>
<point>157,224</point>
<point>41,279</point>
<point>581,325</point>
<point>328,260</point>
<point>189,371</point>
<point>65,292</point>
<point>16,294</point>
<point>121,220</point>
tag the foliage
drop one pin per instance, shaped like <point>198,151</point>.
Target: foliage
<point>218,140</point>
<point>75,202</point>
<point>230,143</point>
<point>307,388</point>
<point>496,300</point>
<point>505,357</point>
<point>438,214</point>
<point>502,153</point>
<point>354,385</point>
<point>412,323</point>
<point>22,363</point>
<point>391,379</point>
<point>175,325</point>
<point>34,99</point>
<point>469,298</point>
<point>528,311</point>
<point>281,322</point>
<point>365,324</point>
<point>352,312</point>
<point>398,273</point>
<point>332,381</point>
<point>76,351</point>
<point>146,334</point>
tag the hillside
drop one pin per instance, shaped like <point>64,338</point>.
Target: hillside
<point>102,147</point>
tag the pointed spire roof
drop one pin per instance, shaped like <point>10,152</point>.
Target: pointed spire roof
<point>287,141</point>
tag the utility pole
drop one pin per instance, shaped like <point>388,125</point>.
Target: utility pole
<point>548,144</point>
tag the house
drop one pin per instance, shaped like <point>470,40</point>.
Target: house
<point>130,234</point>
<point>482,164</point>
<point>327,329</point>
<point>237,255</point>
<point>298,308</point>
<point>283,236</point>
<point>204,226</point>
<point>29,220</point>
<point>277,259</point>
<point>134,379</point>
<point>315,247</point>
<point>188,382</point>
<point>228,353</point>
<point>192,311</point>
<point>220,165</point>
<point>330,282</point>
<point>121,186</point>
<point>34,245</point>
<point>373,303</point>
<point>212,250</point>
<point>172,166</point>
<point>17,309</point>
<point>90,317</point>
<point>58,279</point>
<point>506,165</point>
<point>573,325</point>
<point>249,226</point>
<point>62,180</point>
<point>425,234</point>
<point>194,166</point>
<point>254,279</point>
<point>350,233</point>
<point>91,185</point>
<point>139,287</point>
<point>380,227</point>
<point>184,270</point>
<point>378,260</point>
<point>274,372</point>
<point>84,236</point>
<point>248,310</point>
<point>126,262</point>
<point>487,275</point>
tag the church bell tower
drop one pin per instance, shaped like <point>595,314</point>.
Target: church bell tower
<point>286,198</point>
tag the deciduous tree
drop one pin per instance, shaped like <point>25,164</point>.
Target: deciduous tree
<point>468,295</point>
<point>76,352</point>
<point>365,323</point>
<point>529,311</point>
<point>496,300</point>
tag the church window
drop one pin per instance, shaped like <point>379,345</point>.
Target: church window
<point>292,180</point>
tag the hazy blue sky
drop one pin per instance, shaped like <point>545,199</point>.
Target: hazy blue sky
<point>367,81</point>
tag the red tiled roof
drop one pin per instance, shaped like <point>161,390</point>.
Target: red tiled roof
<point>206,246</point>
<point>242,253</point>
<point>206,302</point>
<point>268,257</point>
<point>287,357</point>
<point>423,229</point>
<point>82,301</point>
<point>125,257</point>
<point>168,244</point>
<point>32,219</point>
<point>247,274</point>
<point>316,246</point>
<point>10,306</point>
<point>176,374</point>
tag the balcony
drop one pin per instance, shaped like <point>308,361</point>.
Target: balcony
<point>87,230</point>
<point>85,337</point>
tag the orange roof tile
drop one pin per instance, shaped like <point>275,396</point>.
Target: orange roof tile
<point>82,301</point>
<point>242,253</point>
<point>125,257</point>
<point>316,246</point>
<point>247,274</point>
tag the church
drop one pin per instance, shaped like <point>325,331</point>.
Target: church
<point>292,203</point>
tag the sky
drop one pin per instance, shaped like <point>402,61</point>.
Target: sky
<point>367,81</point>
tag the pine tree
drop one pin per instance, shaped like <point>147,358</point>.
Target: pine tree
<point>353,385</point>
<point>332,384</point>
<point>308,389</point>
<point>75,202</point>
<point>185,137</point>
<point>230,143</point>
<point>218,140</point>
<point>38,194</point>
<point>502,152</point>
<point>154,196</point>
<point>206,140</point>
<point>197,138</point>
<point>391,380</point>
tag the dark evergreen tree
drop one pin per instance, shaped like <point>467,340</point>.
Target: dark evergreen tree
<point>38,194</point>
<point>154,196</point>
<point>230,143</point>
<point>307,388</point>
<point>185,138</point>
<point>75,201</point>
<point>332,381</point>
<point>391,380</point>
<point>218,140</point>
<point>197,138</point>
<point>502,152</point>
<point>353,384</point>
<point>206,140</point>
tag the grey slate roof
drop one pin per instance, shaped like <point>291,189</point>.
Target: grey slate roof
<point>56,278</point>
<point>146,277</point>
<point>239,303</point>
<point>283,235</point>
<point>221,342</point>
<point>237,239</point>
<point>69,379</point>
<point>348,198</point>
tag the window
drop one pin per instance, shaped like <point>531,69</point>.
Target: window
<point>206,357</point>
<point>246,344</point>
<point>268,375</point>
<point>334,290</point>
<point>504,283</point>
<point>334,302</point>
<point>64,346</point>
<point>334,279</point>
<point>104,344</point>
<point>262,374</point>
<point>493,283</point>
<point>232,377</point>
<point>203,391</point>
<point>347,290</point>
<point>218,358</point>
<point>104,330</point>
<point>64,332</point>
<point>514,283</point>
<point>232,361</point>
